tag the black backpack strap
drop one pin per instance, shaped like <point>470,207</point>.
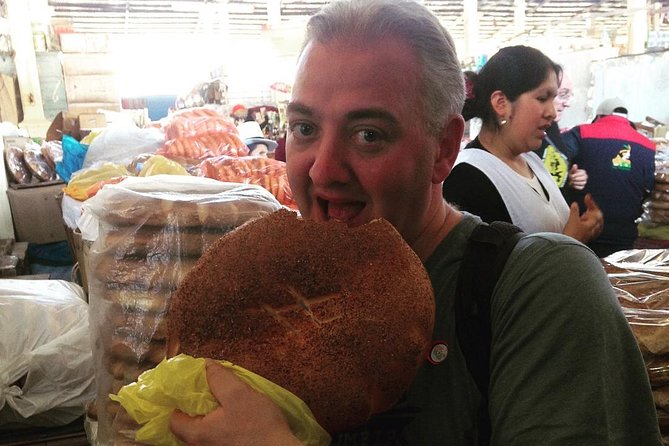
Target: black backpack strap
<point>488,248</point>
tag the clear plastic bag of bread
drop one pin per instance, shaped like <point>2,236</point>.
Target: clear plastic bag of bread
<point>37,163</point>
<point>641,284</point>
<point>646,260</point>
<point>662,167</point>
<point>650,327</point>
<point>656,207</point>
<point>638,289</point>
<point>657,367</point>
<point>266,172</point>
<point>16,166</point>
<point>52,152</point>
<point>150,233</point>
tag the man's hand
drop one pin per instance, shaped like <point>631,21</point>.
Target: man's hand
<point>577,178</point>
<point>584,227</point>
<point>244,416</point>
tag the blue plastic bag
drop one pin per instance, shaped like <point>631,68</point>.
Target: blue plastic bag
<point>74,153</point>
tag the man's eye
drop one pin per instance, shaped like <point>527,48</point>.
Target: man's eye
<point>367,136</point>
<point>303,129</point>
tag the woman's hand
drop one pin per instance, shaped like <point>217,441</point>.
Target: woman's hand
<point>244,416</point>
<point>587,226</point>
<point>577,178</point>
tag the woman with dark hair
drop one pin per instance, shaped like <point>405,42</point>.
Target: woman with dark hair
<point>497,176</point>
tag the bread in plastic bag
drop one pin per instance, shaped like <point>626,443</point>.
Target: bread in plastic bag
<point>46,363</point>
<point>152,399</point>
<point>53,152</point>
<point>147,233</point>
<point>36,163</point>
<point>641,283</point>
<point>16,165</point>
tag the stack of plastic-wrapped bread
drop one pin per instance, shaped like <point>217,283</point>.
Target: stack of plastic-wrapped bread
<point>151,232</point>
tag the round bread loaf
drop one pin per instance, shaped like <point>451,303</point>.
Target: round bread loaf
<point>342,317</point>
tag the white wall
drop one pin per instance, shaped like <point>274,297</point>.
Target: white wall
<point>642,81</point>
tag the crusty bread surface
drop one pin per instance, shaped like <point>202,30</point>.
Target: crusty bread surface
<point>342,317</point>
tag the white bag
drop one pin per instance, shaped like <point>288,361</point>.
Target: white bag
<point>121,143</point>
<point>46,363</point>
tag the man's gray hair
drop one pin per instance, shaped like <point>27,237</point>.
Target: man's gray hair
<point>361,21</point>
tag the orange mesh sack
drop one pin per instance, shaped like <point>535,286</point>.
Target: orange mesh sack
<point>265,172</point>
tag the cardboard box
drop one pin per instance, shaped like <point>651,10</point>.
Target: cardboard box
<point>84,43</point>
<point>65,123</point>
<point>87,63</point>
<point>91,121</point>
<point>36,214</point>
<point>91,88</point>
<point>69,123</point>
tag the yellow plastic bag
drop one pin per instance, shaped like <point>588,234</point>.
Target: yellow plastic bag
<point>181,383</point>
<point>82,180</point>
<point>158,164</point>
<point>88,139</point>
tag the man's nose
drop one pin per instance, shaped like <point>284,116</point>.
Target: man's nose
<point>330,162</point>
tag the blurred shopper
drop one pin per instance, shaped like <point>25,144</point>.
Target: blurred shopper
<point>497,176</point>
<point>252,135</point>
<point>554,152</point>
<point>621,172</point>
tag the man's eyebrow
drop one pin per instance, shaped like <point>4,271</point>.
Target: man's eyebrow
<point>373,113</point>
<point>354,115</point>
<point>297,107</point>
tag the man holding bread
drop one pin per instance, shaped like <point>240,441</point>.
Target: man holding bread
<point>374,129</point>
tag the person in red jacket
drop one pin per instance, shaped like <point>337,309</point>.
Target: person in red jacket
<point>621,172</point>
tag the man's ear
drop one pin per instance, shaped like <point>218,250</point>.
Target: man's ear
<point>449,147</point>
<point>500,104</point>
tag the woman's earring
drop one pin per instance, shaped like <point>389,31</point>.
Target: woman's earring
<point>502,122</point>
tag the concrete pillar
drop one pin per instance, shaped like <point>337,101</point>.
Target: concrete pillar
<point>519,7</point>
<point>20,28</point>
<point>273,12</point>
<point>471,28</point>
<point>637,26</point>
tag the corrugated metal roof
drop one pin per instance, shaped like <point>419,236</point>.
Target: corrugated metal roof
<point>565,19</point>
